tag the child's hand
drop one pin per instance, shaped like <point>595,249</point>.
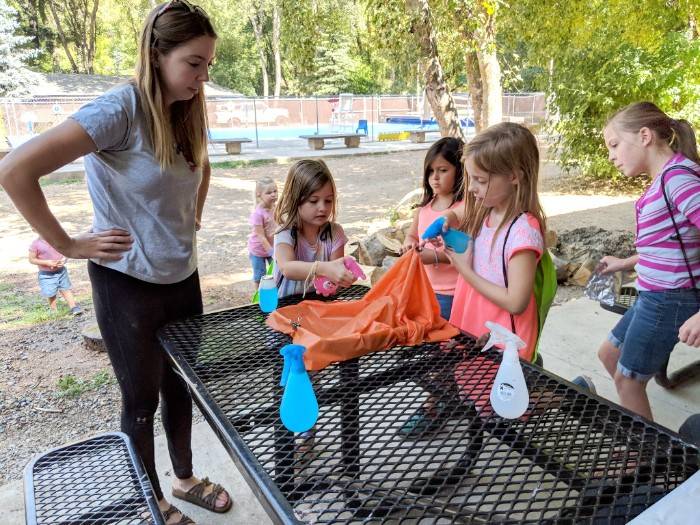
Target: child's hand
<point>461,261</point>
<point>338,273</point>
<point>408,245</point>
<point>610,264</point>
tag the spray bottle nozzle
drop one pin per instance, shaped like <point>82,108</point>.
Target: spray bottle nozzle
<point>500,334</point>
<point>293,355</point>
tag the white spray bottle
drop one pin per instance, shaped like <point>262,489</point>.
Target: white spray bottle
<point>509,395</point>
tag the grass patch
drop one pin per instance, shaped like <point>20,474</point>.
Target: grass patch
<point>71,387</point>
<point>252,163</point>
<point>21,309</point>
<point>60,181</point>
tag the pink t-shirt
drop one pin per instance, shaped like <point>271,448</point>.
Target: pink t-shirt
<point>43,250</point>
<point>471,310</point>
<point>261,217</point>
<point>443,278</point>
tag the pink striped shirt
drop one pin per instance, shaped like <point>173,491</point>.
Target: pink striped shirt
<point>661,265</point>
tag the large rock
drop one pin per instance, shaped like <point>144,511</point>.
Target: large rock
<point>92,338</point>
<point>373,248</point>
<point>593,243</point>
<point>379,272</point>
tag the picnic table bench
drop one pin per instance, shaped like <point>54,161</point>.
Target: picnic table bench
<point>232,144</point>
<point>418,135</point>
<point>352,140</point>
<point>98,480</point>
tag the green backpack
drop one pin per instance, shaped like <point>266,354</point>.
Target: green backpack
<point>545,287</point>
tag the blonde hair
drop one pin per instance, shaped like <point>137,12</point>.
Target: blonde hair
<point>305,177</point>
<point>502,150</point>
<point>182,129</point>
<point>260,185</point>
<point>678,134</point>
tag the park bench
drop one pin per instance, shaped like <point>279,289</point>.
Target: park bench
<point>98,480</point>
<point>418,135</point>
<point>352,140</point>
<point>624,300</point>
<point>232,144</point>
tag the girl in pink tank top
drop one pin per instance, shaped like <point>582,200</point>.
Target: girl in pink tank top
<point>442,190</point>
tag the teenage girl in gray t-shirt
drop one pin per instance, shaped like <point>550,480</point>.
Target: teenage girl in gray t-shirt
<point>144,145</point>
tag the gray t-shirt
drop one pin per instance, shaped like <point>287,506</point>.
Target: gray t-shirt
<point>130,191</point>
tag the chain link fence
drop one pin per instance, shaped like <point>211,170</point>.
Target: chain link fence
<point>379,117</point>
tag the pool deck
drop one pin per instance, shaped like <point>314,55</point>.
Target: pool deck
<point>281,152</point>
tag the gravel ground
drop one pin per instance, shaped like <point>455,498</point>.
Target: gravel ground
<point>34,416</point>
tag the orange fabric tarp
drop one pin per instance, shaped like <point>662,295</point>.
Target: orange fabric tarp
<point>401,309</point>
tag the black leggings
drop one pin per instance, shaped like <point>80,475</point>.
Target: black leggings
<point>129,312</point>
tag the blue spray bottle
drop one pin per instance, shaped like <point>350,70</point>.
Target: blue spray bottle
<point>299,408</point>
<point>455,239</point>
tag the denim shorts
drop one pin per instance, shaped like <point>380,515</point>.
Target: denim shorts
<point>445,302</point>
<point>648,331</point>
<point>50,283</point>
<point>259,267</point>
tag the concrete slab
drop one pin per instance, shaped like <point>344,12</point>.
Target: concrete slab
<point>569,345</point>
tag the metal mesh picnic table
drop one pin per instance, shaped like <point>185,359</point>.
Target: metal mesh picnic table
<point>572,458</point>
<point>97,481</point>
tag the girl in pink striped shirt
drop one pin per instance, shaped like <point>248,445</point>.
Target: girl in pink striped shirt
<point>642,139</point>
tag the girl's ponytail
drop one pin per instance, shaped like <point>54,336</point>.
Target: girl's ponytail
<point>683,139</point>
<point>678,134</point>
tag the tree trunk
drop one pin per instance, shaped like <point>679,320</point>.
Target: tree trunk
<point>491,85</point>
<point>489,66</point>
<point>478,26</point>
<point>62,36</point>
<point>256,20</point>
<point>92,31</point>
<point>276,30</point>
<point>436,88</point>
<point>475,89</point>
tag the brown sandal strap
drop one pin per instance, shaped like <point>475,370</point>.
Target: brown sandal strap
<point>210,499</point>
<point>184,520</point>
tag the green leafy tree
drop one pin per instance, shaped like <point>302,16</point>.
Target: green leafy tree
<point>596,56</point>
<point>15,77</point>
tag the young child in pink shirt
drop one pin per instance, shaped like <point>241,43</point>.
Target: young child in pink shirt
<point>442,190</point>
<point>53,274</point>
<point>263,227</point>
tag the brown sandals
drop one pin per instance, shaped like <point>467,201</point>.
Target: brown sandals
<point>184,520</point>
<point>196,496</point>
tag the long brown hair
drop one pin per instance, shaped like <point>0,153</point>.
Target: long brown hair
<point>678,134</point>
<point>183,127</point>
<point>450,149</point>
<point>305,177</point>
<point>502,150</point>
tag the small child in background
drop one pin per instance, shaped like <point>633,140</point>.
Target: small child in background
<point>442,190</point>
<point>309,242</point>
<point>53,274</point>
<point>263,227</point>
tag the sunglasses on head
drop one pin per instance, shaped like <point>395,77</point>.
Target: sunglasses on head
<point>173,4</point>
